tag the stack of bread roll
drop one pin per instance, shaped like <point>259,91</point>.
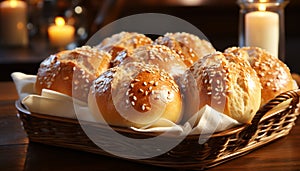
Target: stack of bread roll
<point>131,80</point>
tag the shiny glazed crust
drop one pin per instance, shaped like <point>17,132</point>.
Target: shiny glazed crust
<point>274,75</point>
<point>225,82</point>
<point>190,47</point>
<point>123,41</point>
<point>71,72</point>
<point>135,95</point>
<point>158,55</point>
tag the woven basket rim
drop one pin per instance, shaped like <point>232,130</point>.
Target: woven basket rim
<point>293,94</point>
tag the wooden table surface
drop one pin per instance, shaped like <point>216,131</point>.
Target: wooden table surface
<point>17,153</point>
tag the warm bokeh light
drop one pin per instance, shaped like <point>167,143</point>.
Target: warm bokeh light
<point>78,10</point>
<point>262,7</point>
<point>59,21</point>
<point>13,3</point>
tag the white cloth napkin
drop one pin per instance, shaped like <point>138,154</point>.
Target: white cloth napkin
<point>58,104</point>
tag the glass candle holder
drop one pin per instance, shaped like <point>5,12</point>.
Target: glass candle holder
<point>261,24</point>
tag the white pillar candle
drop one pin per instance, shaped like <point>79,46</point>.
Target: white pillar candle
<point>60,34</point>
<point>13,21</point>
<point>262,30</point>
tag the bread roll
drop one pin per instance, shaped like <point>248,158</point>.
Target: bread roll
<point>71,72</point>
<point>135,95</point>
<point>159,55</point>
<point>123,41</point>
<point>274,75</point>
<point>190,47</point>
<point>225,82</point>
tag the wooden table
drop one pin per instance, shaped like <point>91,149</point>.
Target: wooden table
<point>17,153</point>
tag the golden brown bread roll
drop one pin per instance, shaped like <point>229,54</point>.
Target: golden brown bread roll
<point>159,55</point>
<point>123,41</point>
<point>135,94</point>
<point>190,47</point>
<point>225,82</point>
<point>71,72</point>
<point>274,75</point>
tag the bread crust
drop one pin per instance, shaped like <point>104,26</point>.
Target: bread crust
<point>274,75</point>
<point>135,95</point>
<point>159,55</point>
<point>71,72</point>
<point>123,41</point>
<point>226,83</point>
<point>189,47</point>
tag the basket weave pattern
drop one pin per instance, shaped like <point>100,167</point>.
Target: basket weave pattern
<point>189,153</point>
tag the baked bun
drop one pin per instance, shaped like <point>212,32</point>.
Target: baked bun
<point>274,75</point>
<point>190,47</point>
<point>159,55</point>
<point>225,82</point>
<point>71,72</point>
<point>123,41</point>
<point>135,94</point>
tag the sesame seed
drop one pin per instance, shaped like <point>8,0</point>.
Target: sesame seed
<point>144,83</point>
<point>143,107</point>
<point>141,90</point>
<point>134,98</point>
<point>132,103</point>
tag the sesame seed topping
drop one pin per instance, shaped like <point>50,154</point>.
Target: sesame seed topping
<point>143,107</point>
<point>150,88</point>
<point>134,98</point>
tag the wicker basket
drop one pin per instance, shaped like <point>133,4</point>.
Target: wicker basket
<point>189,153</point>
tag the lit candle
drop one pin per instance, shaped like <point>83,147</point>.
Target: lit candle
<point>61,34</point>
<point>13,21</point>
<point>262,30</point>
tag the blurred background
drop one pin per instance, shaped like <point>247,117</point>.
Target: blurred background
<point>217,19</point>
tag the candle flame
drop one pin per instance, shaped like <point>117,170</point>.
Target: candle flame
<point>59,21</point>
<point>13,3</point>
<point>262,7</point>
